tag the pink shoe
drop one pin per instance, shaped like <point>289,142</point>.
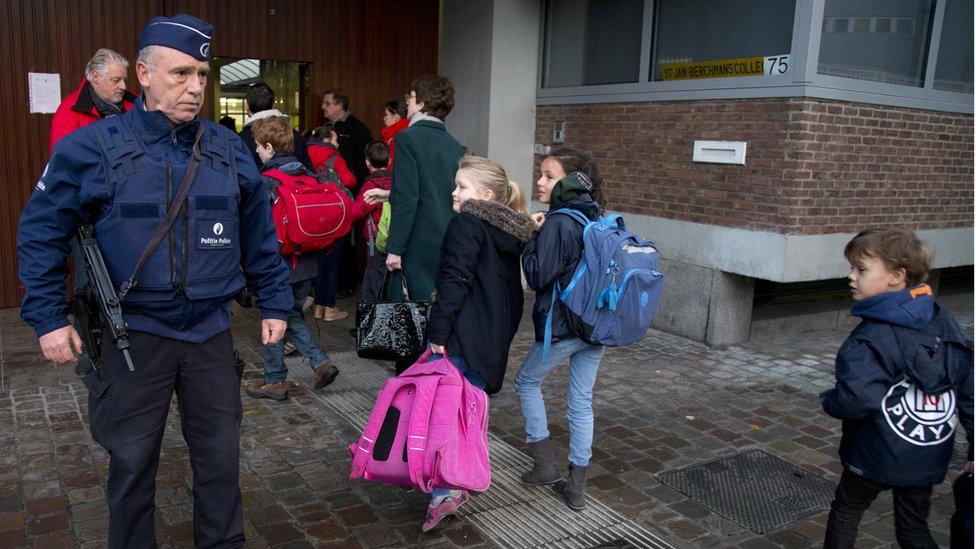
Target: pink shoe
<point>447,508</point>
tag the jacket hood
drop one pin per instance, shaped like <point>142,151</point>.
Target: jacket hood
<point>583,202</point>
<point>387,132</point>
<point>569,187</point>
<point>263,114</point>
<point>496,214</point>
<point>928,361</point>
<point>911,308</point>
<point>922,331</point>
<point>286,163</point>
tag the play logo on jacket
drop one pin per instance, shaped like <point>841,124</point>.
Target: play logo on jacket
<point>919,418</point>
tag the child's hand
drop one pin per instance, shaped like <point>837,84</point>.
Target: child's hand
<point>375,196</point>
<point>439,349</point>
<point>538,218</point>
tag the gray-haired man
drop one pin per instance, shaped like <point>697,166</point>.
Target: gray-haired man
<point>101,94</point>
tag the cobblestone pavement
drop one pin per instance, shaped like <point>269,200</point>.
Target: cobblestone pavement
<point>660,405</point>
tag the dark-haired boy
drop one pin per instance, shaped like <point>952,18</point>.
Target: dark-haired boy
<point>377,159</point>
<point>902,376</point>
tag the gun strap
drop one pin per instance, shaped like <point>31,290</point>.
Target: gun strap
<point>174,210</point>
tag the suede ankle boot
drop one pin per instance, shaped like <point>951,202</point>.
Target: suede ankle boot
<point>544,469</point>
<point>573,490</point>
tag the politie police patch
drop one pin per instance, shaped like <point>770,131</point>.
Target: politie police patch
<point>918,418</point>
<point>214,234</point>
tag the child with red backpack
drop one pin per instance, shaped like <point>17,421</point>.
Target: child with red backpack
<point>478,303</point>
<point>275,144</point>
<point>323,150</point>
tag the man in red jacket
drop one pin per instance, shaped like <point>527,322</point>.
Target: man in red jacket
<point>101,94</point>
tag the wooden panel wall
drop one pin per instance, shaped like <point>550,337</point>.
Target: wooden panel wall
<point>370,48</point>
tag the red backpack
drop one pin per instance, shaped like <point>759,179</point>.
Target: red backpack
<point>308,215</point>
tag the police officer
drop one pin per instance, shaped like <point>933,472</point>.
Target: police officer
<point>121,174</point>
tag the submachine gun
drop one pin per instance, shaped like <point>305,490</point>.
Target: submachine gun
<point>99,303</point>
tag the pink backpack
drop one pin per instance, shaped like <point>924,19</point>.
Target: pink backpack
<point>428,428</point>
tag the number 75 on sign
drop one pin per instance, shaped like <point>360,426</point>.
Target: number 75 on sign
<point>775,65</point>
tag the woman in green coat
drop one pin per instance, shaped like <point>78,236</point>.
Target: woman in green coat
<point>423,180</point>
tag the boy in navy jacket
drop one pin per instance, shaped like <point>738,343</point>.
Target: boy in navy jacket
<point>902,376</point>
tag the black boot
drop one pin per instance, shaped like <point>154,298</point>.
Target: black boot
<point>544,470</point>
<point>573,490</point>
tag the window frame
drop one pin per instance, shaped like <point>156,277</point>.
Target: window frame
<point>803,81</point>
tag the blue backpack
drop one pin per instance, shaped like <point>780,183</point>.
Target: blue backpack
<point>613,295</point>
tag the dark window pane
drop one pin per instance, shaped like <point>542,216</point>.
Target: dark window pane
<point>870,51</point>
<point>714,30</point>
<point>954,69</point>
<point>592,42</point>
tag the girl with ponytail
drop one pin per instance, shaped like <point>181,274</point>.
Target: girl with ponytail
<point>478,301</point>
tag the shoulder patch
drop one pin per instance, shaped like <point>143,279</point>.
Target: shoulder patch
<point>40,182</point>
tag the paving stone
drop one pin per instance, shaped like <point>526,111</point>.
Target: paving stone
<point>12,521</point>
<point>13,538</point>
<point>690,509</point>
<point>54,540</point>
<point>279,532</point>
<point>46,506</point>
<point>463,535</point>
<point>326,529</point>
<point>357,516</point>
<point>378,537</point>
<point>47,524</point>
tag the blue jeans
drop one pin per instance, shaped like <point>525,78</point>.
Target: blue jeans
<point>475,379</point>
<point>303,338</point>
<point>584,360</point>
<point>327,279</point>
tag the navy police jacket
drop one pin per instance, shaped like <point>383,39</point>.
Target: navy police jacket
<point>902,376</point>
<point>120,174</point>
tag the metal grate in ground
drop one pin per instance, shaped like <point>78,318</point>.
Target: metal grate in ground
<point>756,490</point>
<point>509,514</point>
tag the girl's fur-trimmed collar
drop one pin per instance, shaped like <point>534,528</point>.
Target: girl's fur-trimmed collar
<point>501,216</point>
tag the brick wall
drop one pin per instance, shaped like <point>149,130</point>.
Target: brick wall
<point>812,166</point>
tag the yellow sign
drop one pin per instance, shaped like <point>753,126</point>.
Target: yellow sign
<point>725,68</point>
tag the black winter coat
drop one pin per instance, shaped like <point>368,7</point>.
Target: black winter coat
<point>553,255</point>
<point>353,138</point>
<point>478,302</point>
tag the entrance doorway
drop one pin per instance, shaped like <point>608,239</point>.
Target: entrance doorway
<point>234,77</point>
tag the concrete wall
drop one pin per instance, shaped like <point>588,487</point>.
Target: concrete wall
<point>464,55</point>
<point>779,257</point>
<point>514,70</point>
<point>489,48</point>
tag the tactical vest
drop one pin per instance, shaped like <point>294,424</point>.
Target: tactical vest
<point>200,257</point>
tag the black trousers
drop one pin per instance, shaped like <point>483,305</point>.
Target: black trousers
<point>128,416</point>
<point>854,495</point>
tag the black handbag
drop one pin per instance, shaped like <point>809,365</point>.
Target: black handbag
<point>391,330</point>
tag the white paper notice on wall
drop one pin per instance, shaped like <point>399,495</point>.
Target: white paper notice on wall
<point>45,91</point>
